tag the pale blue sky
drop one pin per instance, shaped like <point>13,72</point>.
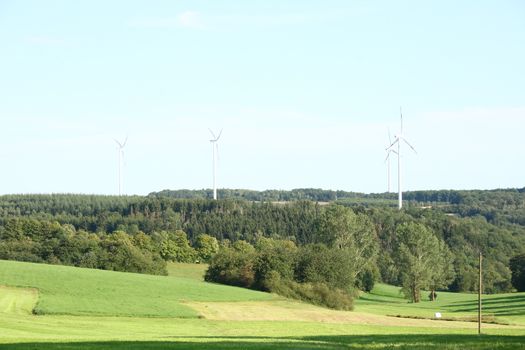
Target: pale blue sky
<point>304,90</point>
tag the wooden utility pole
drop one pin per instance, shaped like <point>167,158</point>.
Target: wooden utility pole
<point>479,294</point>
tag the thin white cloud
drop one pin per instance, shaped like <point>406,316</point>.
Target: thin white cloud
<point>263,20</point>
<point>155,23</point>
<point>469,115</point>
<point>191,20</point>
<point>45,40</point>
<point>187,19</point>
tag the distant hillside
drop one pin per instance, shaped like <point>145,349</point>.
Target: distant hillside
<point>498,205</point>
<point>320,195</point>
<point>312,194</point>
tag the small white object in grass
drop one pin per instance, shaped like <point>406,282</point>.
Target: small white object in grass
<point>437,315</point>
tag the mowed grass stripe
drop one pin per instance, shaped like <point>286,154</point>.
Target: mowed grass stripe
<point>77,291</point>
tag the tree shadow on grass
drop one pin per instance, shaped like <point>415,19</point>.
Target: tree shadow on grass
<point>387,299</point>
<point>510,299</point>
<point>425,341</point>
<point>362,342</point>
<point>502,306</point>
<point>498,311</point>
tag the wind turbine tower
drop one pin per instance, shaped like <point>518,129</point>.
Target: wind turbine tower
<point>215,147</point>
<point>389,151</point>
<point>398,138</point>
<point>120,151</point>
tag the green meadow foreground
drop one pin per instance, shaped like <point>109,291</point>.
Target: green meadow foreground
<point>58,307</point>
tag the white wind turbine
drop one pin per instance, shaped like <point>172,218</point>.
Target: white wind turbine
<point>120,151</point>
<point>389,151</point>
<point>398,138</point>
<point>215,147</point>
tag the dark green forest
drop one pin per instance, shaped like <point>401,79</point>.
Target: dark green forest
<point>141,233</point>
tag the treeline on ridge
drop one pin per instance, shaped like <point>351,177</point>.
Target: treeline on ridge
<point>497,206</point>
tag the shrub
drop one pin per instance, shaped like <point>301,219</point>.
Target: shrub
<point>273,255</point>
<point>273,264</point>
<point>175,246</point>
<point>315,293</point>
<point>22,250</point>
<point>119,254</point>
<point>365,280</point>
<point>319,264</point>
<point>232,267</point>
<point>206,246</point>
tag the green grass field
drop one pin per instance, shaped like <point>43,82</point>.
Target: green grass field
<point>75,291</point>
<point>506,308</point>
<point>183,270</point>
<point>92,309</point>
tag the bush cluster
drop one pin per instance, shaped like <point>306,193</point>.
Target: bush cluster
<point>317,293</point>
<point>312,273</point>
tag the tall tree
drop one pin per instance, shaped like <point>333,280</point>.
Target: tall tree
<point>340,227</point>
<point>517,266</point>
<point>206,246</point>
<point>418,258</point>
<point>443,271</point>
<point>175,246</point>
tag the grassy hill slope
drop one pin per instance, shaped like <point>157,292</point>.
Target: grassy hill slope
<point>77,291</point>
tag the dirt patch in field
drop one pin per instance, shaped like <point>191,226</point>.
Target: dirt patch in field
<point>294,311</point>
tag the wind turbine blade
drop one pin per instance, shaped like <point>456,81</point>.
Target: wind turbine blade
<point>126,140</point>
<point>413,149</point>
<point>212,134</point>
<point>118,143</point>
<point>218,137</point>
<point>401,114</point>
<point>387,156</point>
<point>392,144</point>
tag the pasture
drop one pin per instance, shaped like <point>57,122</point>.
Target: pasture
<point>92,309</point>
<point>508,308</point>
<point>68,290</point>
